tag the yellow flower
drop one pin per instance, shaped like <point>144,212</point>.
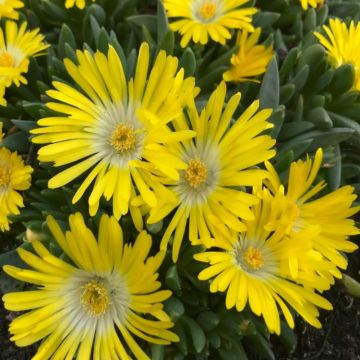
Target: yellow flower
<point>1,131</point>
<point>220,162</point>
<point>93,304</point>
<point>14,175</point>
<point>313,3</point>
<point>199,19</point>
<point>343,45</point>
<point>323,222</point>
<point>78,3</point>
<point>251,59</point>
<point>8,9</point>
<point>16,46</point>
<point>248,267</point>
<point>116,127</point>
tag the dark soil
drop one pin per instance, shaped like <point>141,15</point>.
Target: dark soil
<point>339,339</point>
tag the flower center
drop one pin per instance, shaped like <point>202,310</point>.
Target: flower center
<point>4,177</point>
<point>207,11</point>
<point>253,258</point>
<point>6,59</point>
<point>123,138</point>
<point>95,298</point>
<point>196,173</point>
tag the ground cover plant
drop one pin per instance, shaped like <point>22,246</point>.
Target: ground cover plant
<point>178,179</point>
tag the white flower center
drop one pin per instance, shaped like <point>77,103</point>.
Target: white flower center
<point>254,257</point>
<point>196,173</point>
<point>97,298</point>
<point>206,11</point>
<point>119,136</point>
<point>200,178</point>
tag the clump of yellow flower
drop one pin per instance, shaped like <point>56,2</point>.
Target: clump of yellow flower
<point>220,161</point>
<point>291,248</point>
<point>324,222</point>
<point>8,8</point>
<point>197,20</point>
<point>313,3</point>
<point>248,267</point>
<point>251,60</point>
<point>92,304</point>
<point>116,128</point>
<point>14,176</point>
<point>78,3</point>
<point>16,46</point>
<point>342,43</point>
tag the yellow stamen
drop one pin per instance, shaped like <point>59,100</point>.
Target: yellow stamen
<point>253,258</point>
<point>207,11</point>
<point>6,59</point>
<point>196,173</point>
<point>95,298</point>
<point>4,177</point>
<point>123,138</point>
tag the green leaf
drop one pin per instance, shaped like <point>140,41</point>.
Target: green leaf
<point>310,20</point>
<point>323,138</point>
<point>196,333</point>
<point>277,118</point>
<point>182,344</point>
<point>342,121</point>
<point>351,285</point>
<point>286,93</point>
<point>174,307</point>
<point>301,78</point>
<point>236,352</point>
<point>208,82</point>
<point>16,142</point>
<point>25,125</point>
<point>167,43</point>
<point>334,172</point>
<point>350,170</point>
<point>289,62</point>
<point>343,79</point>
<point>150,21</point>
<point>320,118</point>
<point>292,129</point>
<point>287,337</point>
<point>172,278</point>
<point>265,18</point>
<point>261,346</point>
<point>66,37</point>
<point>269,94</point>
<point>188,62</point>
<point>208,320</point>
<point>157,352</point>
<point>162,21</point>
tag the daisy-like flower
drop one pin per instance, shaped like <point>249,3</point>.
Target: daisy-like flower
<point>313,3</point>
<point>8,8</point>
<point>14,176</point>
<point>342,44</point>
<point>248,267</point>
<point>220,160</point>
<point>251,60</point>
<point>78,3</point>
<point>93,303</point>
<point>16,46</point>
<point>199,19</point>
<point>116,127</point>
<point>324,222</point>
